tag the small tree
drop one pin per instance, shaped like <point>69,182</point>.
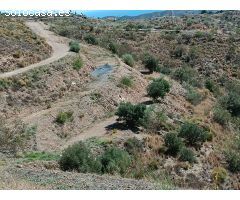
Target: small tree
<point>131,114</point>
<point>150,62</point>
<point>158,88</point>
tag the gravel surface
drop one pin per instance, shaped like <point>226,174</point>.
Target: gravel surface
<point>71,180</point>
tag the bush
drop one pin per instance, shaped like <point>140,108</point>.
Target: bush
<point>16,137</point>
<point>74,46</point>
<point>221,116</point>
<point>128,59</point>
<point>219,175</point>
<point>126,82</point>
<point>115,160</point>
<point>192,54</point>
<point>233,160</point>
<point>64,32</point>
<point>233,103</point>
<point>158,88</point>
<point>154,120</point>
<point>78,157</point>
<point>173,143</point>
<point>113,47</point>
<point>151,63</point>
<point>165,70</point>
<point>193,96</point>
<point>193,134</point>
<point>4,84</point>
<point>64,117</point>
<point>211,86</point>
<point>188,75</point>
<point>78,63</point>
<point>90,39</point>
<point>133,145</point>
<point>179,51</point>
<point>187,155</point>
<point>131,114</point>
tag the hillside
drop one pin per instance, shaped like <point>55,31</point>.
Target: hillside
<point>136,104</point>
<point>19,45</point>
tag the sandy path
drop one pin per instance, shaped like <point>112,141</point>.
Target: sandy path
<point>59,46</point>
<point>97,130</point>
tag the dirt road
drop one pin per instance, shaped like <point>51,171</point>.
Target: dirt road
<point>59,47</point>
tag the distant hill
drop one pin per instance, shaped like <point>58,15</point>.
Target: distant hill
<point>158,14</point>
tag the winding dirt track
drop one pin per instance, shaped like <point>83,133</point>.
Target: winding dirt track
<point>59,47</point>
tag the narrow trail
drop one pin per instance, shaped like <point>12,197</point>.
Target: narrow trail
<point>97,130</point>
<point>59,47</point>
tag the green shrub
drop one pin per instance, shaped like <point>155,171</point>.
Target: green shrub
<point>219,175</point>
<point>95,96</point>
<point>133,145</point>
<point>192,54</point>
<point>193,134</point>
<point>90,39</point>
<point>188,75</point>
<point>233,103</point>
<point>64,32</point>
<point>173,143</point>
<point>233,160</point>
<point>128,59</point>
<point>74,46</point>
<point>113,47</point>
<point>221,116</point>
<point>150,62</point>
<point>187,155</point>
<point>131,114</point>
<point>64,117</point>
<point>210,85</point>
<point>4,84</point>
<point>158,88</point>
<point>199,34</point>
<point>193,96</point>
<point>179,51</point>
<point>165,70</point>
<point>126,82</point>
<point>115,161</point>
<point>78,63</point>
<point>78,157</point>
<point>154,120</point>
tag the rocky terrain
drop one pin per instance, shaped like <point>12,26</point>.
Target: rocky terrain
<point>20,47</point>
<point>187,137</point>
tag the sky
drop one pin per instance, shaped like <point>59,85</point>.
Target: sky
<point>116,13</point>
